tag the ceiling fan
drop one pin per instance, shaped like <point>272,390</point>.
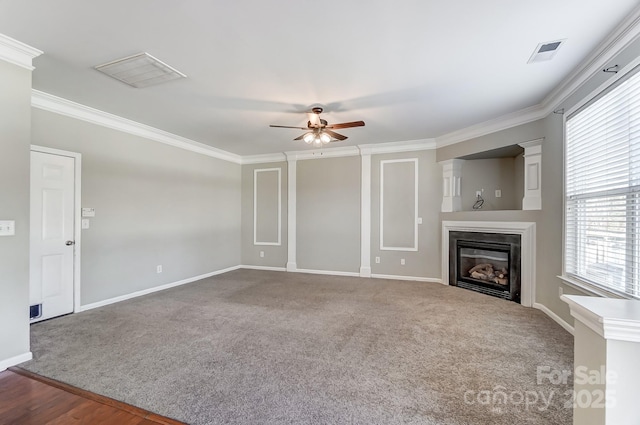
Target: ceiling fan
<point>319,131</point>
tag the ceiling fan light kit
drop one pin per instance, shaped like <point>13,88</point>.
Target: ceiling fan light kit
<point>320,131</point>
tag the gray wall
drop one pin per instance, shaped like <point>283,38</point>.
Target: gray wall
<point>274,256</point>
<point>492,174</point>
<point>15,110</point>
<point>155,205</point>
<point>328,214</point>
<point>426,261</point>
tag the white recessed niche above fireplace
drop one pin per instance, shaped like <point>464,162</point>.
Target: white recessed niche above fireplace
<point>527,232</point>
<point>507,178</point>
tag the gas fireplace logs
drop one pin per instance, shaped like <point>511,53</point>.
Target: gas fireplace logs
<point>487,273</point>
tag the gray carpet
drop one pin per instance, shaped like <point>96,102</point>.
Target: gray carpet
<point>255,347</point>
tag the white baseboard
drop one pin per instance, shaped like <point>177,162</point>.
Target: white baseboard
<point>155,289</point>
<point>328,272</point>
<point>543,308</point>
<point>268,268</point>
<point>399,277</point>
<point>12,361</point>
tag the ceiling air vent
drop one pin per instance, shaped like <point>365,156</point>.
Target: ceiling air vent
<point>141,70</point>
<point>545,51</point>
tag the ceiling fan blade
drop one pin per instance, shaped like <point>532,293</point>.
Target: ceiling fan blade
<point>286,126</point>
<point>300,137</point>
<point>347,125</point>
<point>335,135</point>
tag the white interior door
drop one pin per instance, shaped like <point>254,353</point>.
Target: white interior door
<point>52,234</point>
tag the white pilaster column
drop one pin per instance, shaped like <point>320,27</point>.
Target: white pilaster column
<point>451,174</point>
<point>606,369</point>
<point>291,214</point>
<point>365,215</point>
<point>532,175</point>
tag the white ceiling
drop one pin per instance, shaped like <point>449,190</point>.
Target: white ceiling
<point>411,69</point>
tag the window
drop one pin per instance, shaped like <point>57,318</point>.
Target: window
<point>602,189</point>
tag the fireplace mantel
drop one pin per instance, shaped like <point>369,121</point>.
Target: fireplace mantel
<point>527,232</point>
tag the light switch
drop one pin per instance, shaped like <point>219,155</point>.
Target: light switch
<point>88,212</point>
<point>84,223</point>
<point>498,193</point>
<point>419,220</point>
<point>7,227</point>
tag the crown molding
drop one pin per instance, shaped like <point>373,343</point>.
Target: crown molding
<point>626,33</point>
<point>263,158</point>
<point>622,36</point>
<point>503,122</point>
<point>71,109</point>
<point>323,153</point>
<point>396,147</point>
<point>18,53</point>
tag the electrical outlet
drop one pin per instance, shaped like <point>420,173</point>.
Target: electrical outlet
<point>158,269</point>
<point>377,260</point>
<point>261,254</point>
<point>402,261</point>
<point>498,193</point>
<point>419,220</point>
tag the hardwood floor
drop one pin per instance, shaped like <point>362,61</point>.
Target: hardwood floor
<point>27,398</point>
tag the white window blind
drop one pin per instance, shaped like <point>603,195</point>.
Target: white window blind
<point>602,208</point>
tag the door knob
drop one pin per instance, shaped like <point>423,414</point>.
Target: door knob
<point>69,243</point>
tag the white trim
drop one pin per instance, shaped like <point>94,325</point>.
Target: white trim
<point>266,268</point>
<point>610,318</point>
<point>155,289</point>
<point>328,272</point>
<point>527,232</point>
<point>412,278</point>
<point>71,109</point>
<point>263,158</point>
<point>415,218</point>
<point>367,149</point>
<point>396,147</point>
<point>77,217</point>
<point>15,360</point>
<point>323,153</point>
<point>17,53</point>
<point>365,216</point>
<point>602,87</point>
<point>291,215</point>
<point>543,308</point>
<point>619,39</point>
<point>532,199</point>
<point>451,178</point>
<point>255,206</point>
<point>625,34</point>
<point>503,122</point>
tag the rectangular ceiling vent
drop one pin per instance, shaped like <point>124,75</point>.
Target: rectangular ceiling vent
<point>545,51</point>
<point>141,70</point>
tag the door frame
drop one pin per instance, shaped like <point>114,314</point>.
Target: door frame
<point>77,216</point>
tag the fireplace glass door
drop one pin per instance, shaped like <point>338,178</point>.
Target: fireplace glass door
<point>484,265</point>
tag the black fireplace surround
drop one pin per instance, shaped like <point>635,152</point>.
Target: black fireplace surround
<point>486,262</point>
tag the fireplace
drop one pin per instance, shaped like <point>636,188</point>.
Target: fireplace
<point>486,262</point>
